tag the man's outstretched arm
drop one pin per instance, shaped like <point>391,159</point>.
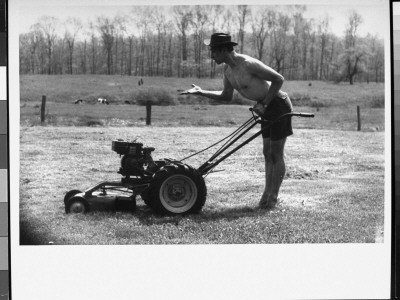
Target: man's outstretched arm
<point>224,95</point>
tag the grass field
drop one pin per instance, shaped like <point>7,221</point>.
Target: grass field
<point>334,104</point>
<point>333,191</point>
<point>118,89</point>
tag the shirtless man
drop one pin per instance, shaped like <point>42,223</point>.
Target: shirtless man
<point>255,81</point>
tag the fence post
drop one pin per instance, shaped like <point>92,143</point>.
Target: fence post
<point>358,118</point>
<point>148,113</point>
<point>43,109</point>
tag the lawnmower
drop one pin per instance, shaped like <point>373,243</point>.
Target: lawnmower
<point>167,186</point>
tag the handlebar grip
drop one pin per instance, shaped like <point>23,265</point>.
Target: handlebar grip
<point>304,115</point>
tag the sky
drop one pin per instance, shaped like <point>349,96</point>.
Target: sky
<point>373,12</point>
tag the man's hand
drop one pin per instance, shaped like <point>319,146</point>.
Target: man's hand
<point>196,90</point>
<point>259,109</point>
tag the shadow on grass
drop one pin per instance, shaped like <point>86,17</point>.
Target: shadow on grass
<point>26,237</point>
<point>29,237</point>
<point>148,217</point>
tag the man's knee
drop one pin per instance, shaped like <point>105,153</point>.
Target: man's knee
<point>276,157</point>
<point>273,157</point>
<point>276,152</point>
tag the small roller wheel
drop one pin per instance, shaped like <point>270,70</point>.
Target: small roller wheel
<point>77,205</point>
<point>70,194</point>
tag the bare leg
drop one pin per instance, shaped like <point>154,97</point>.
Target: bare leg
<point>268,171</point>
<point>279,168</point>
<point>274,171</point>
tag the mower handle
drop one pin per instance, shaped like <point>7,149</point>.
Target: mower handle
<point>209,165</point>
<point>304,115</point>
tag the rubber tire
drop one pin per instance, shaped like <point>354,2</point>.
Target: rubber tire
<point>193,185</point>
<point>76,199</point>
<point>145,194</point>
<point>70,194</point>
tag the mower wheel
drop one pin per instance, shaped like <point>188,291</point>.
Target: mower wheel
<point>177,189</point>
<point>70,194</point>
<point>77,205</point>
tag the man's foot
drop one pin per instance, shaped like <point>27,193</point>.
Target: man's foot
<point>267,203</point>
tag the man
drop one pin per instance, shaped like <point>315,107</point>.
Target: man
<point>250,77</point>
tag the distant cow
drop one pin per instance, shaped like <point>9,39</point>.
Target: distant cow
<point>78,101</point>
<point>102,101</point>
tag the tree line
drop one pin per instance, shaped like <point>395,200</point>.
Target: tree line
<point>168,41</point>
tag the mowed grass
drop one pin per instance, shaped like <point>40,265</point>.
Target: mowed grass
<point>333,191</point>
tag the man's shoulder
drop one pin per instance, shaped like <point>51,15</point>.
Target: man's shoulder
<point>249,60</point>
<point>246,57</point>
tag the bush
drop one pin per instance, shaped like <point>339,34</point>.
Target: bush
<point>192,100</point>
<point>377,101</point>
<point>92,99</point>
<point>158,96</point>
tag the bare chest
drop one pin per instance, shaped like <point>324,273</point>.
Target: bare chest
<point>239,78</point>
<point>247,84</point>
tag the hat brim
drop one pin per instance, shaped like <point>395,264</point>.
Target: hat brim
<point>208,43</point>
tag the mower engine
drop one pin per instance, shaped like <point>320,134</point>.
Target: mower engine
<point>134,157</point>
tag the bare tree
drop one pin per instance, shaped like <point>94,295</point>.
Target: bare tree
<point>31,44</point>
<point>49,25</point>
<point>107,33</point>
<point>128,33</point>
<point>323,29</point>
<point>120,23</point>
<point>306,36</point>
<point>299,44</point>
<point>355,21</point>
<point>376,58</point>
<point>168,41</point>
<point>228,23</point>
<point>354,54</point>
<point>260,30</point>
<point>216,24</point>
<point>72,28</point>
<point>160,21</point>
<point>242,13</point>
<point>183,17</point>
<point>279,23</point>
<point>199,22</point>
<point>144,23</point>
<point>93,41</point>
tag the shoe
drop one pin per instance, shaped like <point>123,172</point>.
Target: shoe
<point>267,204</point>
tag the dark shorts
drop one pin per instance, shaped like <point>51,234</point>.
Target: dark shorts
<point>283,128</point>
